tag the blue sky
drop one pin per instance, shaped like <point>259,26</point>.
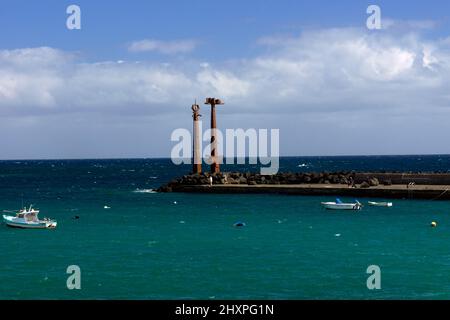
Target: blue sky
<point>121,84</point>
<point>226,29</point>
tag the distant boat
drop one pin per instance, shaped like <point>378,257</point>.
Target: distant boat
<point>380,204</point>
<point>27,218</point>
<point>339,205</point>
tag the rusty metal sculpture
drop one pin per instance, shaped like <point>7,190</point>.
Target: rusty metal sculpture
<point>215,168</point>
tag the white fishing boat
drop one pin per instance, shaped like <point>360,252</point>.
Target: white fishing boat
<point>339,205</point>
<point>380,204</point>
<point>27,218</point>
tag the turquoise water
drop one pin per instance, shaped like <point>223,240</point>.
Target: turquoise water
<point>176,246</point>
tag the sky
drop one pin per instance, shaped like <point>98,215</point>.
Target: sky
<point>119,86</point>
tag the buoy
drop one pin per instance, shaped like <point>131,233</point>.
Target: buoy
<point>433,224</point>
<point>239,224</point>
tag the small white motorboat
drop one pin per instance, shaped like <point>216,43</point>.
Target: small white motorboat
<point>339,205</point>
<point>380,204</point>
<point>27,218</point>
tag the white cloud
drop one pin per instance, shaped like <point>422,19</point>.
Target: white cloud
<point>165,47</point>
<point>223,83</point>
<point>340,69</point>
<point>320,71</point>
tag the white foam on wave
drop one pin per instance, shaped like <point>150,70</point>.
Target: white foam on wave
<point>145,191</point>
<point>303,165</point>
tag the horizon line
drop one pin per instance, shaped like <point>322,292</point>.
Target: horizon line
<point>287,156</point>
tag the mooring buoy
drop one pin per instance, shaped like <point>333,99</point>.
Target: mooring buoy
<point>239,224</point>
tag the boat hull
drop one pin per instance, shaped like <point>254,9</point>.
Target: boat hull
<point>14,222</point>
<point>341,206</point>
<point>380,204</point>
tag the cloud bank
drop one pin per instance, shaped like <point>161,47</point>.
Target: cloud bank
<point>325,70</point>
<point>343,78</point>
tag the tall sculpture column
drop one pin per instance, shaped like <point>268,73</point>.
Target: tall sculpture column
<point>215,167</point>
<point>196,143</point>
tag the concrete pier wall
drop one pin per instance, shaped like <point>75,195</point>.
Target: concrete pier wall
<point>388,192</point>
<point>405,178</point>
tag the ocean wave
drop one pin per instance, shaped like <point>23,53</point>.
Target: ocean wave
<point>145,191</point>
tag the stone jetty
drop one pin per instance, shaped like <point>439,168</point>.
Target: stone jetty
<point>356,184</point>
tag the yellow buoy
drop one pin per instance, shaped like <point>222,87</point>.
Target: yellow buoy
<point>433,224</point>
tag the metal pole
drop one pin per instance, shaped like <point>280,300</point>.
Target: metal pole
<point>196,152</point>
<point>215,167</point>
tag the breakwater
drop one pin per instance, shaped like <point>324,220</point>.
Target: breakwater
<point>355,184</point>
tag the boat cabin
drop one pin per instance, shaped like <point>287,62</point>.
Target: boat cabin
<point>29,214</point>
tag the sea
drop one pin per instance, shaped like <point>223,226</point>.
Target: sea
<point>130,242</point>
